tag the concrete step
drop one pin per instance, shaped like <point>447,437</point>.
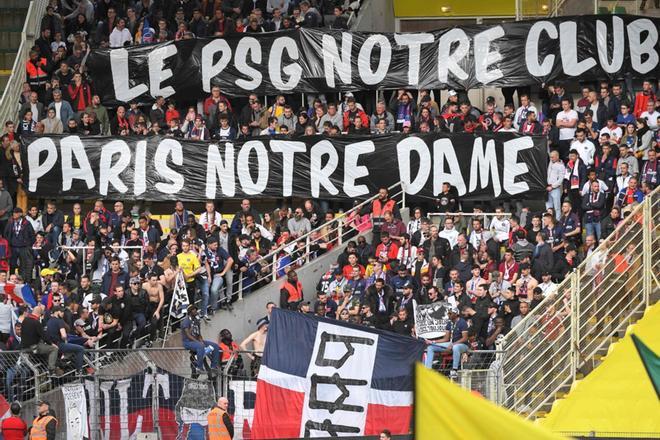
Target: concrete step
<point>10,40</point>
<point>7,60</point>
<point>4,78</point>
<point>12,19</point>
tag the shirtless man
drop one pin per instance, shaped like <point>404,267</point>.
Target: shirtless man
<point>156,299</point>
<point>258,340</point>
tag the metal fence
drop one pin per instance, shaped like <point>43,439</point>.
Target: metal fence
<point>567,335</point>
<point>9,102</point>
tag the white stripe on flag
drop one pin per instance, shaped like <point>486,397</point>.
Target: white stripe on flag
<point>283,380</point>
<point>390,398</point>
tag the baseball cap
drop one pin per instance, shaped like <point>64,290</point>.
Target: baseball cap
<point>525,266</point>
<point>135,280</point>
<point>407,124</point>
<point>407,285</point>
<point>96,299</point>
<point>490,99</point>
<point>348,288</point>
<point>452,93</point>
<point>453,310</point>
<point>261,322</point>
<point>349,95</point>
<point>47,271</point>
<point>223,221</point>
<point>337,271</point>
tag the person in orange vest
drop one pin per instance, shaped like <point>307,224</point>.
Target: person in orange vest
<point>13,427</point>
<point>377,209</point>
<point>44,426</point>
<point>219,423</point>
<point>36,69</point>
<point>291,293</point>
<point>228,348</point>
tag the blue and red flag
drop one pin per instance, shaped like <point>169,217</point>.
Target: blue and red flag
<point>320,377</point>
<point>21,293</point>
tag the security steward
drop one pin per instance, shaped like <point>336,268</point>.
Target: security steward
<point>291,293</point>
<point>13,427</point>
<point>44,427</point>
<point>219,423</point>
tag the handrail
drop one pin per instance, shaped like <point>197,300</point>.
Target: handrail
<point>590,306</point>
<point>272,257</point>
<point>9,102</point>
<point>602,246</point>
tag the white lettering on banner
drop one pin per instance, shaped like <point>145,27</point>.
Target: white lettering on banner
<point>483,164</point>
<point>251,46</point>
<point>320,174</point>
<point>384,58</point>
<point>76,411</point>
<point>639,49</point>
<point>414,43</point>
<point>353,171</point>
<point>248,185</point>
<point>140,177</point>
<point>333,61</point>
<point>288,149</point>
<point>568,48</point>
<point>157,75</point>
<point>447,59</point>
<point>164,149</point>
<point>224,171</point>
<point>40,169</point>
<point>532,48</point>
<point>109,172</point>
<point>241,414</point>
<point>484,57</point>
<point>404,149</point>
<point>72,146</point>
<point>208,67</point>
<point>443,151</point>
<point>275,69</point>
<point>119,70</point>
<point>340,379</point>
<point>618,43</point>
<point>513,168</point>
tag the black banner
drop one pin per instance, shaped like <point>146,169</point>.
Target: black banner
<point>315,60</point>
<point>160,168</point>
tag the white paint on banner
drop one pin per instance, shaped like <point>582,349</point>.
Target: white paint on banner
<point>76,411</point>
<point>339,376</point>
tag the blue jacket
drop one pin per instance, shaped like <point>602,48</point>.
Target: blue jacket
<point>66,112</point>
<point>122,280</point>
<point>25,236</point>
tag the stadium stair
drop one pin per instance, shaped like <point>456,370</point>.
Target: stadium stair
<point>542,363</point>
<point>12,16</point>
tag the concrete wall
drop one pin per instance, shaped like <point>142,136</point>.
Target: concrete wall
<point>242,320</point>
<point>375,16</point>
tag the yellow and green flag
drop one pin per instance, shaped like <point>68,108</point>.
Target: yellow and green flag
<point>651,362</point>
<point>446,411</point>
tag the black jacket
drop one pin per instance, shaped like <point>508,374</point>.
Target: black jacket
<point>544,261</point>
<point>25,236</point>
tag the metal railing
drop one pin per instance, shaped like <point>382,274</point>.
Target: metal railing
<point>9,103</point>
<point>568,333</point>
<point>301,250</point>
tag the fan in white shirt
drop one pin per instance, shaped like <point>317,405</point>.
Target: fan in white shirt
<point>566,120</point>
<point>651,115</point>
<point>613,130</point>
<point>449,233</point>
<point>120,35</point>
<point>585,148</point>
<point>500,226</point>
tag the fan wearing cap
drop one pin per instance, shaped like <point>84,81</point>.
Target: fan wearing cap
<point>44,426</point>
<point>454,341</point>
<point>258,342</point>
<point>191,335</point>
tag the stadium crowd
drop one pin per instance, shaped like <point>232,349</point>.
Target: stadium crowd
<point>108,275</point>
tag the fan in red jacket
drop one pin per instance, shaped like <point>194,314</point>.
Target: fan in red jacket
<point>387,251</point>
